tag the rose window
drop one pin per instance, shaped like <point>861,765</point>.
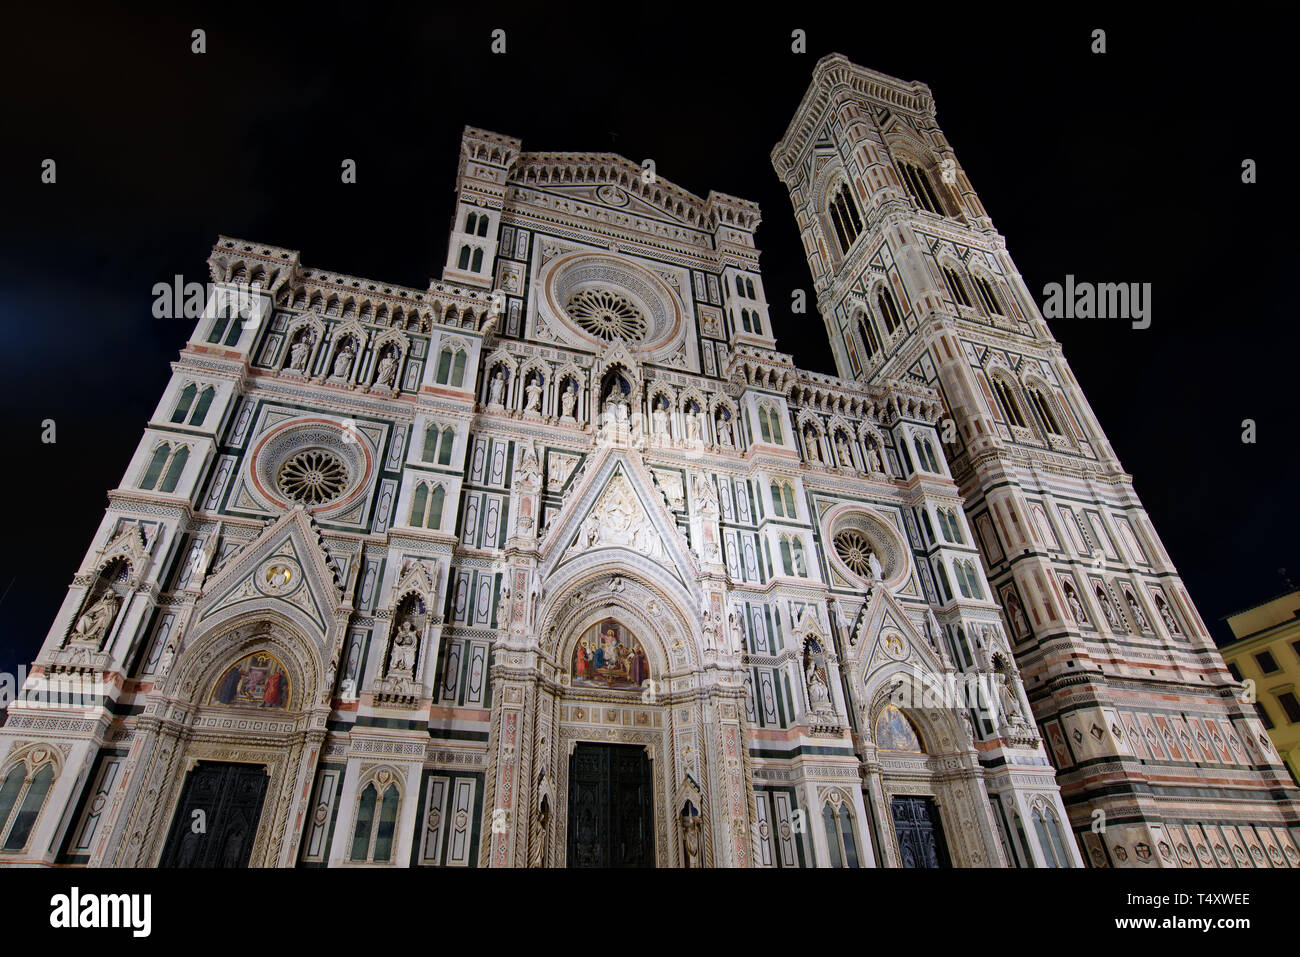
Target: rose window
<point>855,551</point>
<point>313,477</point>
<point>607,315</point>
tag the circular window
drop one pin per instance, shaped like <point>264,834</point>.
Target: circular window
<point>607,315</point>
<point>865,546</point>
<point>594,298</point>
<point>313,477</point>
<point>854,550</point>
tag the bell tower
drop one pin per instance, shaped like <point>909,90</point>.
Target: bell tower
<point>1160,761</point>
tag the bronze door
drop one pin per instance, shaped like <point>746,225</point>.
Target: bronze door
<point>230,797</point>
<point>920,832</point>
<point>611,809</point>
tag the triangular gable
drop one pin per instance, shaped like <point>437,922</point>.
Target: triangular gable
<point>293,543</point>
<point>883,635</point>
<point>618,507</point>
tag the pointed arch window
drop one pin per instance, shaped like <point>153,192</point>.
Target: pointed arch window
<point>372,835</point>
<point>155,468</point>
<point>201,410</point>
<point>917,183</point>
<point>988,297</point>
<point>870,342</point>
<point>451,366</point>
<point>462,262</point>
<point>478,260</point>
<point>769,424</point>
<point>956,287</point>
<point>1049,838</point>
<point>219,327</point>
<point>888,309</point>
<point>945,589</point>
<point>186,400</point>
<point>787,561</point>
<point>1007,399</point>
<point>22,796</point>
<point>483,222</point>
<point>174,469</point>
<point>236,328</point>
<point>1043,406</point>
<point>840,842</point>
<point>845,218</point>
<point>471,221</point>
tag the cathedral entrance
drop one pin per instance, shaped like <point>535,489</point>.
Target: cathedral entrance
<point>611,811</point>
<point>230,798</point>
<point>919,832</point>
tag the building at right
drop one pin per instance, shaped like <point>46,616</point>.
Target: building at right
<point>1267,654</point>
<point>1160,759</point>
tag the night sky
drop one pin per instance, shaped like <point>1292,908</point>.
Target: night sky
<point>1122,167</point>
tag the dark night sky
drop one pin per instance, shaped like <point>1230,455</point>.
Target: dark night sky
<point>1122,167</point>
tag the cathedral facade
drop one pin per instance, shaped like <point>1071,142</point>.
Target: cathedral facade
<point>561,562</point>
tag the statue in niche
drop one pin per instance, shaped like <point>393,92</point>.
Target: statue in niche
<point>1106,609</point>
<point>842,450</point>
<point>343,361</point>
<point>691,835</point>
<point>497,388</point>
<point>402,659</point>
<point>1168,617</point>
<point>693,426</point>
<point>298,353</point>
<point>1010,706</point>
<point>533,391</point>
<point>725,438</point>
<point>616,406</point>
<point>811,443</point>
<point>1140,618</point>
<point>94,622</point>
<point>873,459</point>
<point>1076,606</point>
<point>819,692</point>
<point>659,417</point>
<point>568,399</point>
<point>386,369</point>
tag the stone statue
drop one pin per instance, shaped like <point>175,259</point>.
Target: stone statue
<point>819,696</point>
<point>660,418</point>
<point>691,834</point>
<point>497,388</point>
<point>724,433</point>
<point>873,459</point>
<point>1137,612</point>
<point>94,622</point>
<point>404,645</point>
<point>386,369</point>
<point>842,450</point>
<point>1170,623</point>
<point>1076,607</point>
<point>877,573</point>
<point>343,361</point>
<point>298,354</point>
<point>813,446</point>
<point>1010,707</point>
<point>737,635</point>
<point>1107,610</point>
<point>568,398</point>
<point>693,426</point>
<point>1018,620</point>
<point>534,393</point>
